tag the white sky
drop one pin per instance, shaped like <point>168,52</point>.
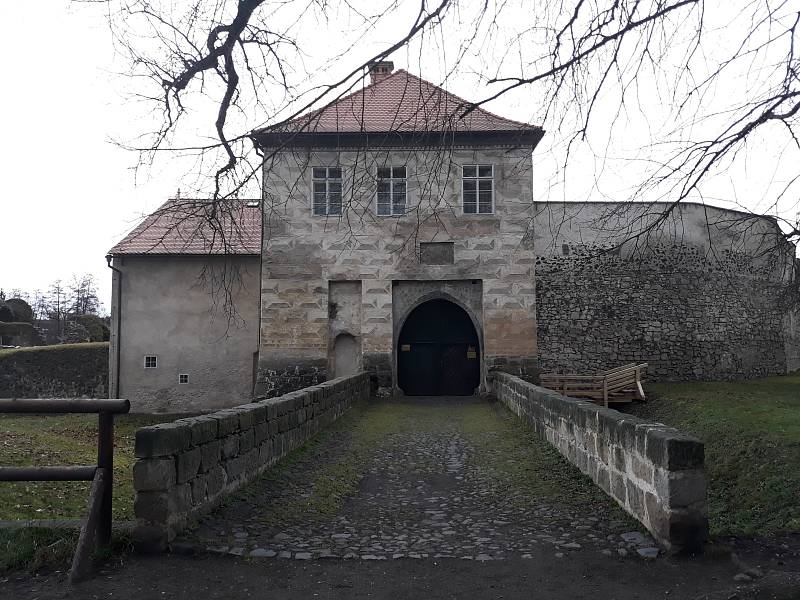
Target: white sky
<point>68,194</point>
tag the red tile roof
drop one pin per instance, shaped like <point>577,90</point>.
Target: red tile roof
<point>182,227</point>
<point>400,102</point>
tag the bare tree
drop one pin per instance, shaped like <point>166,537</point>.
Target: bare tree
<point>724,76</point>
<point>58,306</point>
<point>245,58</point>
<point>83,295</point>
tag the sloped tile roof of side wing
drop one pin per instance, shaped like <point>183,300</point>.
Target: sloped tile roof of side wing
<point>182,226</point>
<point>400,103</point>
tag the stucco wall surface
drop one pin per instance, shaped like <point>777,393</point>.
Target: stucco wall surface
<point>698,296</point>
<point>656,473</point>
<point>170,313</point>
<point>303,252</point>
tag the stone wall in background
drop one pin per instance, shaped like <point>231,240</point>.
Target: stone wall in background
<point>656,473</point>
<point>700,297</point>
<point>61,371</point>
<point>185,468</point>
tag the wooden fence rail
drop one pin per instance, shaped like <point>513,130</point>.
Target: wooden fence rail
<point>97,527</point>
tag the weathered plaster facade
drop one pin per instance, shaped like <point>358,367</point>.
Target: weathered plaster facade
<point>169,313</point>
<point>307,256</point>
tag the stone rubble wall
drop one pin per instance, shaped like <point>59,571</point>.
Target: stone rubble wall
<point>686,323</point>
<point>702,296</point>
<point>185,468</point>
<point>656,473</point>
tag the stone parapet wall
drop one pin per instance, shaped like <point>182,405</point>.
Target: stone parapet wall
<point>185,468</point>
<point>656,473</point>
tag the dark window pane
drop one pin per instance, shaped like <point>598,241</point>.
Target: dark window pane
<point>469,171</point>
<point>334,206</point>
<point>319,172</point>
<point>384,172</point>
<point>485,171</point>
<point>485,185</point>
<point>399,208</point>
<point>399,187</point>
<point>334,173</point>
<point>384,208</point>
<point>469,187</point>
<point>383,187</point>
<point>319,187</point>
<point>335,187</point>
<point>320,207</point>
<point>399,172</point>
<point>469,207</point>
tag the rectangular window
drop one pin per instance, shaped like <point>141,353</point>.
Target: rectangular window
<point>391,191</point>
<point>150,362</point>
<point>477,189</point>
<point>183,378</point>
<point>327,190</point>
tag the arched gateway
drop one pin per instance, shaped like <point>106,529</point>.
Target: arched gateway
<point>438,353</point>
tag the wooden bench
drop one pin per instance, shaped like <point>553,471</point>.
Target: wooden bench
<point>614,386</point>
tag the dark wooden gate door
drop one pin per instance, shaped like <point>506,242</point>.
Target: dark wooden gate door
<point>438,352</point>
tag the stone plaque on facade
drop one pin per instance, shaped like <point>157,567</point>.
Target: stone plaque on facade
<point>436,253</point>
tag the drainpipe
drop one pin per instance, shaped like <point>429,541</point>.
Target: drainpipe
<point>118,302</point>
<point>262,216</point>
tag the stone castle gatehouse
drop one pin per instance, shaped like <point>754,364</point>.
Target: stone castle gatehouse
<point>399,236</point>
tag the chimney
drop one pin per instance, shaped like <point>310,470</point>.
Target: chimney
<point>378,71</point>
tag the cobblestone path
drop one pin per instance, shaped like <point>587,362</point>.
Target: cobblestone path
<point>422,478</point>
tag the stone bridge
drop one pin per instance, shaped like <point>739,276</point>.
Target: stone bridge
<point>423,477</point>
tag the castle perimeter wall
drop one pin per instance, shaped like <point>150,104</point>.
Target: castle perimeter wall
<point>656,473</point>
<point>700,295</point>
<point>185,468</point>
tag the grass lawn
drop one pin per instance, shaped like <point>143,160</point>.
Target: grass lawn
<point>752,434</point>
<point>56,440</point>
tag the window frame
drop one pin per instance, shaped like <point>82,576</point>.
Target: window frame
<point>477,179</point>
<point>155,361</point>
<point>327,180</point>
<point>180,378</point>
<point>392,180</point>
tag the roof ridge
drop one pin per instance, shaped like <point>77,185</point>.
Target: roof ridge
<point>308,116</point>
<point>400,101</point>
